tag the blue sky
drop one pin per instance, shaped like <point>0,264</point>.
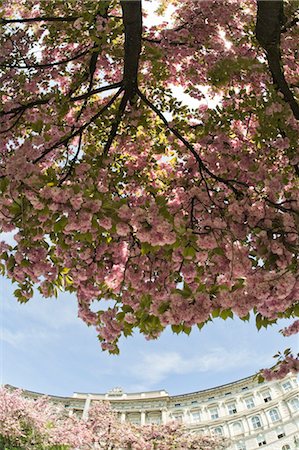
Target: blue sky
<point>46,348</point>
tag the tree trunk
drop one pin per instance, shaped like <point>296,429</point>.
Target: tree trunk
<point>132,19</point>
<point>270,19</point>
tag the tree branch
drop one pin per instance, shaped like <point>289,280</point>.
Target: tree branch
<point>4,21</point>
<point>202,166</point>
<point>67,138</point>
<point>270,19</point>
<point>46,65</point>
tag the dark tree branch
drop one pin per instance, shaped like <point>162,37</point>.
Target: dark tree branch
<point>270,19</point>
<point>44,101</point>
<point>115,124</point>
<point>4,21</point>
<point>202,167</point>
<point>132,19</point>
<point>73,161</point>
<point>77,132</point>
<point>46,65</point>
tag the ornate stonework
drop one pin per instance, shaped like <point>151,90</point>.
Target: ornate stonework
<point>252,415</point>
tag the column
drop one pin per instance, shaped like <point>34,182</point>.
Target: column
<point>247,429</point>
<point>164,416</point>
<point>222,410</point>
<point>122,417</point>
<point>265,419</point>
<point>86,408</point>
<point>142,417</point>
<point>186,415</point>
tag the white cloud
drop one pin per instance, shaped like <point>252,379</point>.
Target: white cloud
<point>20,338</point>
<point>153,368</point>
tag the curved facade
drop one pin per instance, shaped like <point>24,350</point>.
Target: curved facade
<point>251,415</point>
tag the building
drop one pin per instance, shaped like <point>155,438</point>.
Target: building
<point>251,415</point>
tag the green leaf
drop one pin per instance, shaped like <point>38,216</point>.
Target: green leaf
<point>177,328</point>
<point>187,330</point>
<point>60,224</point>
<point>216,313</point>
<point>189,252</point>
<point>227,313</point>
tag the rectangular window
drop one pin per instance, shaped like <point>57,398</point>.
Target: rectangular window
<point>267,397</point>
<point>261,441</point>
<point>177,405</point>
<point>195,416</point>
<point>249,403</point>
<point>214,413</point>
<point>287,386</point>
<point>281,435</point>
<point>178,418</point>
<point>232,409</point>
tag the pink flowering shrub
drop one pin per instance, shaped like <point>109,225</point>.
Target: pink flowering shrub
<point>26,424</point>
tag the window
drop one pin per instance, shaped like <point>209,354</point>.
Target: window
<point>287,386</point>
<point>214,413</point>
<point>280,435</point>
<point>286,447</point>
<point>195,416</point>
<point>249,403</point>
<point>232,408</point>
<point>237,428</point>
<point>267,396</point>
<point>194,402</point>
<point>177,405</point>
<point>154,419</point>
<point>274,415</point>
<point>240,446</point>
<point>133,419</point>
<point>261,441</point>
<point>294,404</point>
<point>178,417</point>
<point>256,422</point>
<point>245,388</point>
<point>218,431</point>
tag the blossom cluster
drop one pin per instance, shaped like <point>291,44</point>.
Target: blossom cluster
<point>184,219</point>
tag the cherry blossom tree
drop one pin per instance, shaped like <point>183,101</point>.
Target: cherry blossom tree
<point>40,425</point>
<point>26,424</point>
<point>116,190</point>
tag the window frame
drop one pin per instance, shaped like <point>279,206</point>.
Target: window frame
<point>249,401</point>
<point>275,412</point>
<point>254,423</point>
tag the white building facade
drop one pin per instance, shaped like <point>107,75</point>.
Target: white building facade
<point>251,415</point>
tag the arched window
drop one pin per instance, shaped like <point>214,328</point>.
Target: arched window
<point>237,428</point>
<point>218,431</point>
<point>286,447</point>
<point>274,415</point>
<point>256,422</point>
<point>294,404</point>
